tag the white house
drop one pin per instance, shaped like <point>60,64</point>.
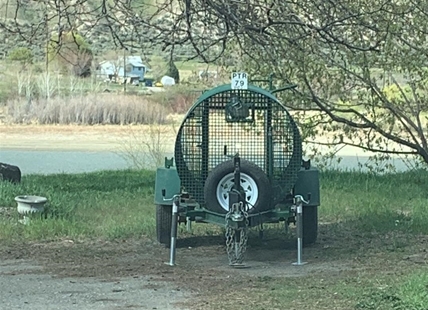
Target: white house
<point>134,67</point>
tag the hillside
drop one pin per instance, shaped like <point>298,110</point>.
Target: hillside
<point>23,23</point>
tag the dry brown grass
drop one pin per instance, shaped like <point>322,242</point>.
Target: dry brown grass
<point>88,109</point>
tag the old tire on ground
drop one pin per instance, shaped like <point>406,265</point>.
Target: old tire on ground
<point>310,224</point>
<point>253,180</point>
<point>163,224</point>
<point>10,173</point>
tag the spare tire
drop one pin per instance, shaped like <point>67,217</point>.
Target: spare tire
<point>254,182</point>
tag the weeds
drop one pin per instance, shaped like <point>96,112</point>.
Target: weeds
<point>146,147</point>
<point>349,291</point>
<point>402,293</point>
<point>413,291</point>
<point>86,110</point>
<point>53,98</point>
<point>177,99</point>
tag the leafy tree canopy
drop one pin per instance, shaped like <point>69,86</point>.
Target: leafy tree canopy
<point>360,66</point>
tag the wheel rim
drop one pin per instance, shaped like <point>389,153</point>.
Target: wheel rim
<point>247,183</point>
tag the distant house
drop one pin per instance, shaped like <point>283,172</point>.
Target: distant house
<point>112,70</point>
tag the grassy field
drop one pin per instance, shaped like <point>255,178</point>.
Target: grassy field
<point>121,203</point>
<point>106,204</point>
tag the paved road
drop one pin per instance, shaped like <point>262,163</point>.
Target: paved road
<point>48,162</point>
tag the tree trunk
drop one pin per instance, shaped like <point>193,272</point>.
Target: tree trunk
<point>10,173</point>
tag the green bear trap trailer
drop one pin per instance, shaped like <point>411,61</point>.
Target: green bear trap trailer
<point>238,164</point>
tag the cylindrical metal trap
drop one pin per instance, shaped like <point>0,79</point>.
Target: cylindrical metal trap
<point>225,121</point>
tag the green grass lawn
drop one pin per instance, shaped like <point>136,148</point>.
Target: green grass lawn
<point>119,204</point>
<point>378,203</point>
<point>106,204</point>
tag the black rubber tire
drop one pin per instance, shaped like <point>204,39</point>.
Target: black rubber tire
<point>163,224</point>
<point>310,224</point>
<point>264,200</point>
<point>10,173</point>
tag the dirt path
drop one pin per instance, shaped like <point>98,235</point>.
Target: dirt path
<point>29,286</point>
<point>132,274</point>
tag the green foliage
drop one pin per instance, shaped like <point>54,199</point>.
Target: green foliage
<point>172,71</point>
<point>68,40</point>
<point>395,93</point>
<point>413,291</point>
<point>21,54</point>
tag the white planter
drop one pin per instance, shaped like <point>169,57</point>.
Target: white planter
<point>30,204</point>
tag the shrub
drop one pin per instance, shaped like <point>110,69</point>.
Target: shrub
<point>21,54</point>
<point>395,94</point>
<point>177,99</point>
<point>145,147</point>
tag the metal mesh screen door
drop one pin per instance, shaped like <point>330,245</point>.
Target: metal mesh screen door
<point>250,122</point>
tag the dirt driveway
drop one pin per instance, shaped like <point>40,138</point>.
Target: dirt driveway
<point>132,274</point>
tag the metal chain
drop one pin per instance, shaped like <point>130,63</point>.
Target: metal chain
<point>230,234</point>
<point>236,250</point>
<point>244,235</point>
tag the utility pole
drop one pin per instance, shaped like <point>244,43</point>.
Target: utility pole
<point>47,41</point>
<point>124,70</point>
<point>47,94</point>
